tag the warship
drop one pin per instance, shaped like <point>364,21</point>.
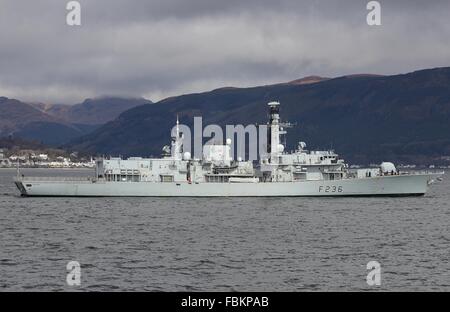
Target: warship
<point>215,174</point>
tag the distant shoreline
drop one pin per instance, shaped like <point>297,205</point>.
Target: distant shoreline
<point>47,168</point>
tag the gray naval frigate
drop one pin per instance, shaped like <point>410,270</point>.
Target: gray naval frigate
<point>297,173</point>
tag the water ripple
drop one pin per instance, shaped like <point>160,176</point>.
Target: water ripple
<point>241,244</point>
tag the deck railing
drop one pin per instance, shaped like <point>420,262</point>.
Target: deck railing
<point>55,179</point>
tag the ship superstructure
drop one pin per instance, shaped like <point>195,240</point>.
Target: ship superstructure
<point>217,173</point>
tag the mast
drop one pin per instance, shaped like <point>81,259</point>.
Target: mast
<point>18,170</point>
<point>274,131</point>
<point>177,143</point>
<point>277,130</point>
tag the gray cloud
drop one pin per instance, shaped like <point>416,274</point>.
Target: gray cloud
<point>161,48</point>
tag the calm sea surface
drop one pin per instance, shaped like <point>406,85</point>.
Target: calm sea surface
<point>224,244</point>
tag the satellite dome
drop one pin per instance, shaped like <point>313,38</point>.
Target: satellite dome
<point>280,148</point>
<point>187,156</point>
<point>387,167</point>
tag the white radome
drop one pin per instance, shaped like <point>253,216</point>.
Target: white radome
<point>187,156</point>
<point>387,167</point>
<point>280,148</point>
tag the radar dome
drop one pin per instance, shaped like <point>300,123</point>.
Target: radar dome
<point>387,167</point>
<point>187,156</point>
<point>280,148</point>
<point>228,141</point>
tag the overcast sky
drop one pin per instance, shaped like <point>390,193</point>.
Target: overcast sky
<point>162,48</point>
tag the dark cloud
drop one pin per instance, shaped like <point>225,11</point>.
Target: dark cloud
<point>160,48</point>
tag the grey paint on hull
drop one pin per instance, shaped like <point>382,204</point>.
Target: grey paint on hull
<point>397,185</point>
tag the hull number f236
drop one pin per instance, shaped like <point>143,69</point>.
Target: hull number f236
<point>331,189</point>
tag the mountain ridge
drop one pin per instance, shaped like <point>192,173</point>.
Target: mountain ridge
<point>365,117</point>
<point>92,111</point>
<point>56,124</point>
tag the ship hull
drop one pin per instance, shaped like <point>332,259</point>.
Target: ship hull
<point>396,185</point>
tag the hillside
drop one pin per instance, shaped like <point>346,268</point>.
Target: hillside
<point>14,114</point>
<point>365,118</point>
<point>58,124</point>
<point>22,120</point>
<point>92,111</point>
